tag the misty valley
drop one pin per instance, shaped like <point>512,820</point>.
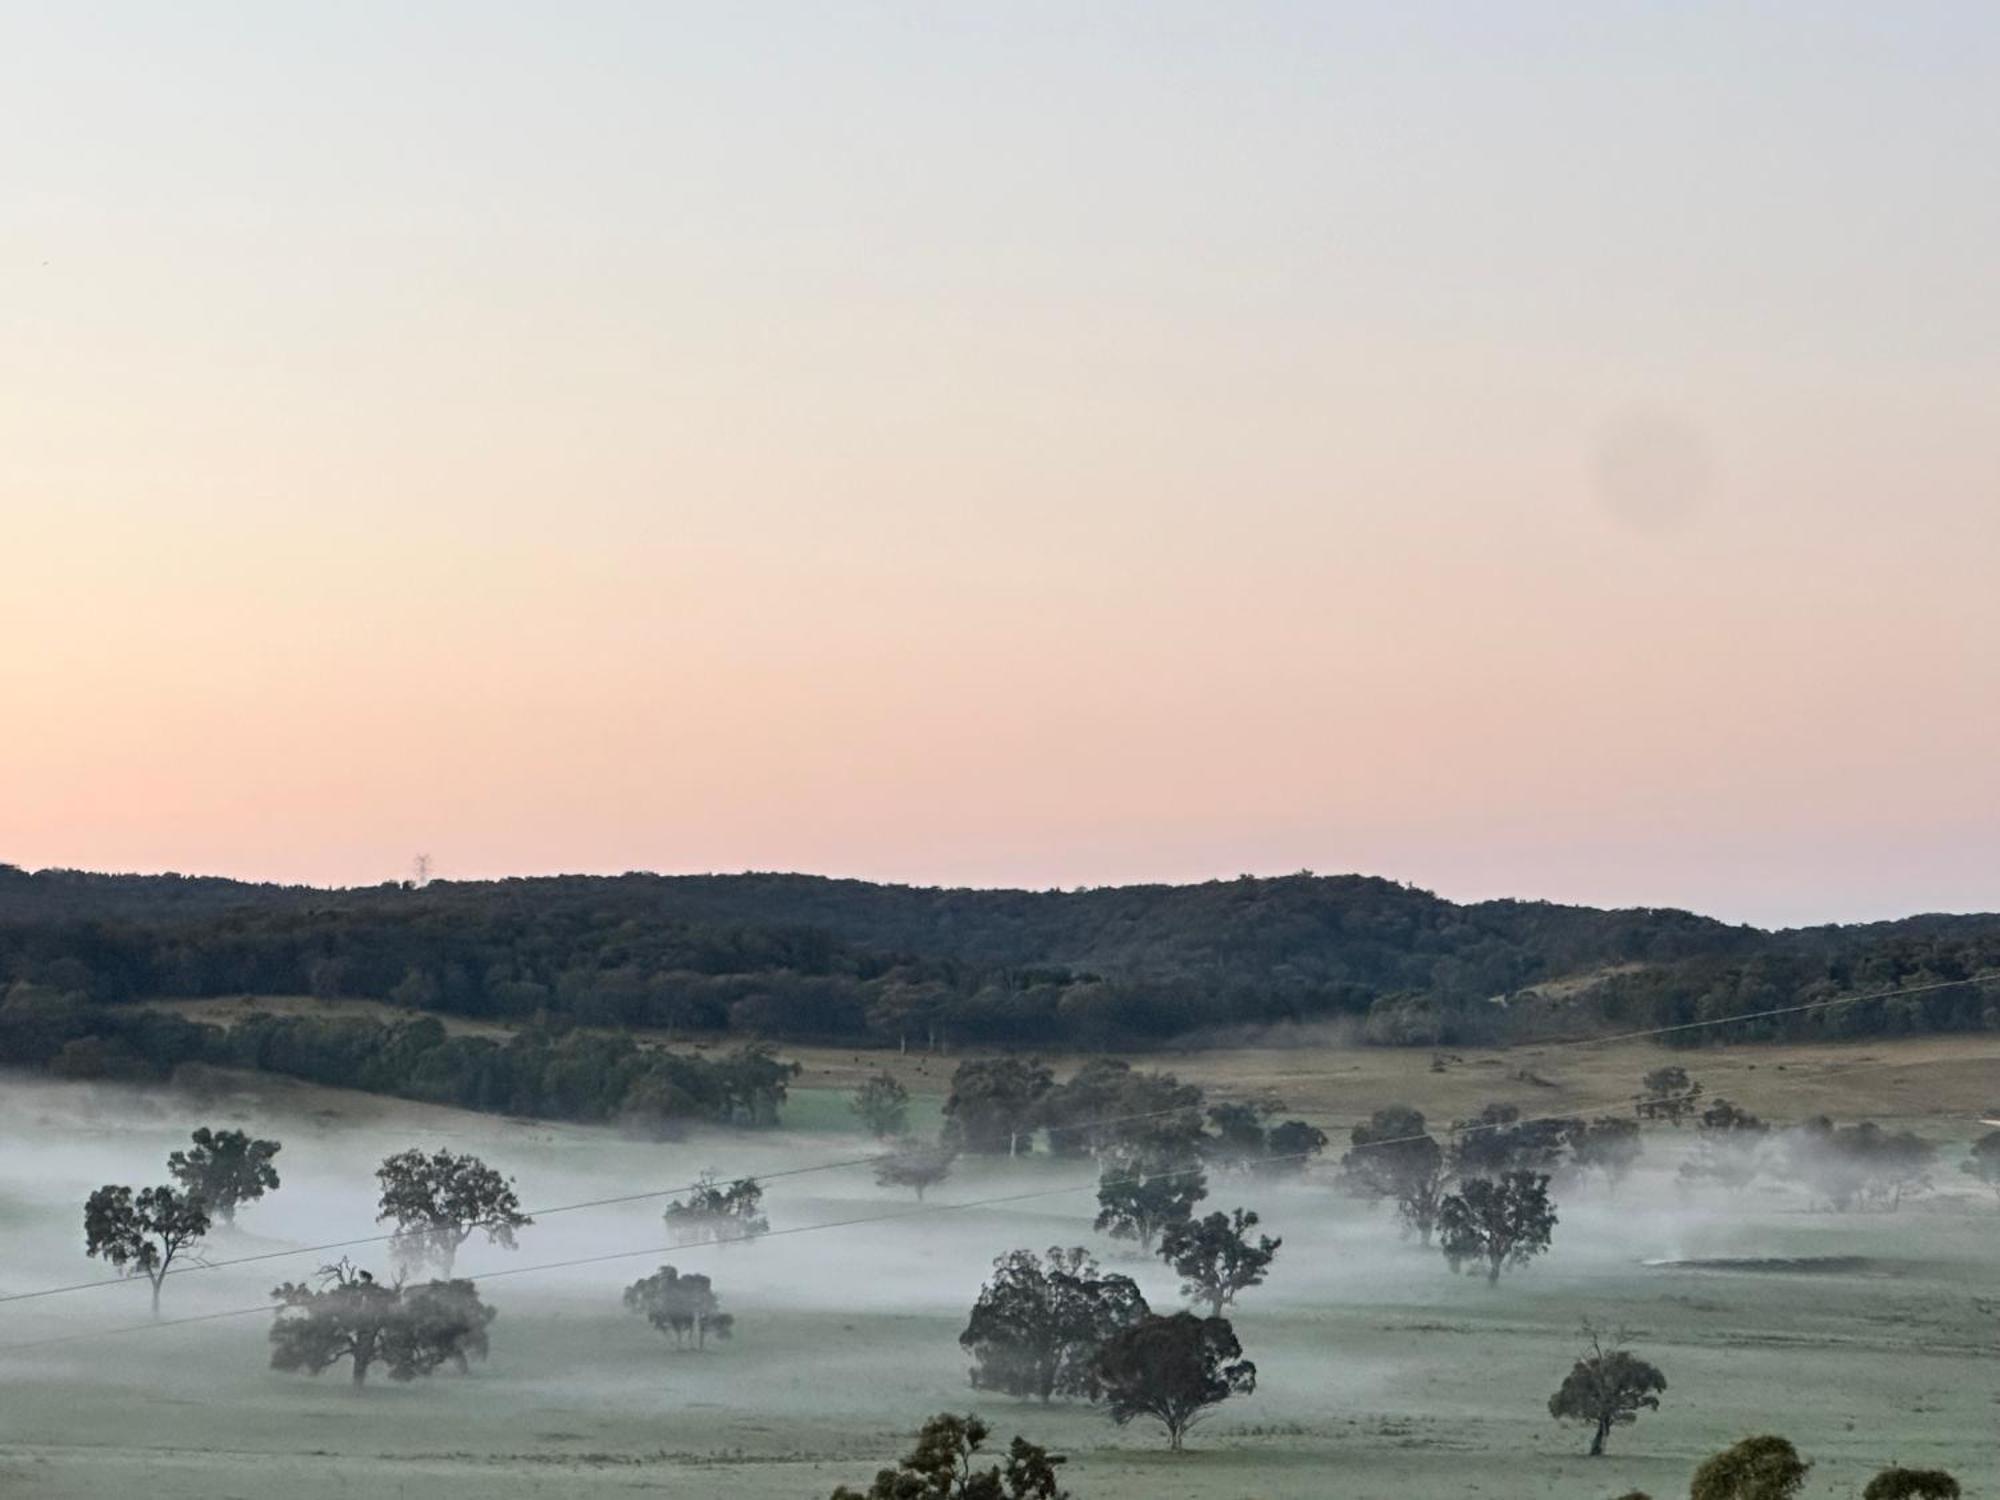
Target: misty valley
<point>1285,1273</point>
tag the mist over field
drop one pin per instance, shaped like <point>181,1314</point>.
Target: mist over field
<point>1377,1367</point>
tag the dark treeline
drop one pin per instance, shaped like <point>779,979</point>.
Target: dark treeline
<point>574,1075</point>
<point>807,959</point>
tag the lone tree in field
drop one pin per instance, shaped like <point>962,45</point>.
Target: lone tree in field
<point>995,1105</point>
<point>1911,1484</point>
<point>920,1165</point>
<point>1394,1158</point>
<point>940,1467</point>
<point>1140,1195</point>
<point>1037,1325</point>
<point>1506,1221</point>
<point>1608,1387</point>
<point>682,1307</point>
<point>1667,1094</point>
<point>1758,1468</point>
<point>715,1213</point>
<point>143,1234</point>
<point>883,1105</point>
<point>226,1168</point>
<point>1216,1257</point>
<point>1983,1165</point>
<point>410,1331</point>
<point>1174,1370</point>
<point>437,1202</point>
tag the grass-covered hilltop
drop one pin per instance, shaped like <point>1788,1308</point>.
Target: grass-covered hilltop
<point>804,958</point>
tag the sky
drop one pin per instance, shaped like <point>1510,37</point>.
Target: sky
<point>1529,449</point>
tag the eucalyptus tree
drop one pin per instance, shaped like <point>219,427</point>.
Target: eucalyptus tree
<point>143,1233</point>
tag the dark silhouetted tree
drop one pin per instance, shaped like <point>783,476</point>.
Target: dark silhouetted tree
<point>1758,1468</point>
<point>1216,1257</point>
<point>1139,1196</point>
<point>1173,1369</point>
<point>1038,1325</point>
<point>225,1168</point>
<point>409,1330</point>
<point>941,1467</point>
<point>1911,1484</point>
<point>883,1105</point>
<point>1500,1222</point>
<point>1393,1157</point>
<point>682,1307</point>
<point>1667,1094</point>
<point>438,1202</point>
<point>919,1165</point>
<point>716,1213</point>
<point>995,1104</point>
<point>143,1234</point>
<point>1607,1387</point>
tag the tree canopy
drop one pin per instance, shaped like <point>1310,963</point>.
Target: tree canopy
<point>143,1233</point>
<point>942,1466</point>
<point>1493,1223</point>
<point>1911,1484</point>
<point>681,1306</point>
<point>348,1314</point>
<point>440,1200</point>
<point>1039,1322</point>
<point>1173,1370</point>
<point>1140,1195</point>
<point>715,1212</point>
<point>1216,1256</point>
<point>1758,1468</point>
<point>1607,1387</point>
<point>225,1169</point>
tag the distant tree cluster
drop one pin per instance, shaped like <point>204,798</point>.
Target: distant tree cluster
<point>407,1330</point>
<point>574,1075</point>
<point>944,1465</point>
<point>715,1212</point>
<point>682,1307</point>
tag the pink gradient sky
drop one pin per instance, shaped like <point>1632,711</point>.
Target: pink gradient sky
<point>1555,457</point>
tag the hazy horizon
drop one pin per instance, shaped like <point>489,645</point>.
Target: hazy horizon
<point>1546,452</point>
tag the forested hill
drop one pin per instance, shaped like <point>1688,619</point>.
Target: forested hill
<point>795,956</point>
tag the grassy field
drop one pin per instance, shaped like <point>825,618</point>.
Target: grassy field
<point>1381,1374</point>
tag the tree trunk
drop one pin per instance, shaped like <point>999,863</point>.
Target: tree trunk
<point>1493,1272</point>
<point>1597,1439</point>
<point>156,1280</point>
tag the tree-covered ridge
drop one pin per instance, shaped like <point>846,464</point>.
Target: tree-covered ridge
<point>806,958</point>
